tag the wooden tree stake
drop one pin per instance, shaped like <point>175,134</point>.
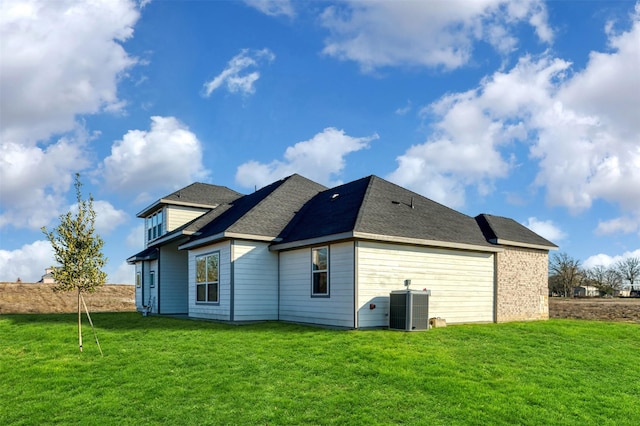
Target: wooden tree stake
<point>92,327</point>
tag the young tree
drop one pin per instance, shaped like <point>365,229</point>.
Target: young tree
<point>564,273</point>
<point>78,251</point>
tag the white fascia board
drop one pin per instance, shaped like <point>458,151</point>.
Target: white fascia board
<point>312,241</point>
<point>525,245</point>
<point>252,237</point>
<point>201,242</point>
<point>163,201</point>
<point>430,243</point>
<point>385,238</point>
<point>187,204</point>
<point>171,237</point>
<point>225,235</point>
<point>144,212</point>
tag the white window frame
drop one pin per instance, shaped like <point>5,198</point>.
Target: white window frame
<point>152,279</point>
<point>154,225</point>
<point>138,280</point>
<point>208,280</point>
<point>317,271</point>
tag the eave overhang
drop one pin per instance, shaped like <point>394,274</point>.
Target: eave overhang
<point>167,238</point>
<point>146,254</point>
<point>225,236</point>
<point>385,238</point>
<point>165,202</point>
<point>504,242</point>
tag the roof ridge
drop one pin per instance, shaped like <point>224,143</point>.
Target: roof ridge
<point>365,197</point>
<point>269,189</point>
<point>276,187</point>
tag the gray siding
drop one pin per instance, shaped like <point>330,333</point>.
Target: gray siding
<point>138,267</point>
<point>461,282</point>
<point>174,280</point>
<point>150,293</point>
<point>221,310</point>
<point>255,281</point>
<point>296,303</point>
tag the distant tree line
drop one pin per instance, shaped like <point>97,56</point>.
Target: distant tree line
<point>566,274</point>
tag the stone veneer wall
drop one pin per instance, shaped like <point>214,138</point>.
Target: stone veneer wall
<point>522,285</point>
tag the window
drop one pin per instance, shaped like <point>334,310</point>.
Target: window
<point>320,271</point>
<point>138,280</point>
<point>207,278</point>
<point>154,226</point>
<point>152,279</point>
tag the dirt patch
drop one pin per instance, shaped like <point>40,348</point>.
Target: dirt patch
<point>25,298</point>
<point>614,309</point>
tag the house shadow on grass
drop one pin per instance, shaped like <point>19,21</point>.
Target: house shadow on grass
<point>136,321</point>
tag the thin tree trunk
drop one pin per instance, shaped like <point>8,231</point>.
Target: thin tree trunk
<point>92,327</point>
<point>79,321</point>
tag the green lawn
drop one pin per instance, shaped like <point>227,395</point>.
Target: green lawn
<point>171,371</point>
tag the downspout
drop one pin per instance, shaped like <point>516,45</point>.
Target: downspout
<point>355,284</point>
<point>142,286</point>
<point>278,303</point>
<point>495,287</point>
<point>232,283</point>
<point>158,278</point>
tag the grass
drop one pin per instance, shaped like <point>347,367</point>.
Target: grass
<point>171,371</point>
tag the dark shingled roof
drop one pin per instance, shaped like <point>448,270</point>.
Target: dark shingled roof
<point>265,213</point>
<point>200,194</point>
<point>503,230</point>
<point>375,206</point>
<point>296,209</point>
<point>146,254</point>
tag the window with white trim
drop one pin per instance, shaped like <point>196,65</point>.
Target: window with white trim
<point>320,271</point>
<point>138,280</point>
<point>208,278</point>
<point>154,225</point>
<point>152,279</point>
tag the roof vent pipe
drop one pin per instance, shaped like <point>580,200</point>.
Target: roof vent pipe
<point>411,202</point>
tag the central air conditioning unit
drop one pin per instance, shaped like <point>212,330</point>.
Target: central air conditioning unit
<point>409,310</point>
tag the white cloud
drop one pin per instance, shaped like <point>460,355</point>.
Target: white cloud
<point>588,143</point>
<point>27,263</point>
<point>624,225</point>
<point>43,83</point>
<point>135,238</point>
<point>235,76</point>
<point>168,156</point>
<point>122,274</point>
<point>273,7</point>
<point>35,181</point>
<point>465,146</point>
<point>59,60</point>
<point>607,260</point>
<point>320,158</point>
<point>405,109</point>
<point>107,217</point>
<point>388,33</point>
<point>546,229</point>
<point>579,127</point>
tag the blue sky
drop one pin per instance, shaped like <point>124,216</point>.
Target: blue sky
<point>526,109</point>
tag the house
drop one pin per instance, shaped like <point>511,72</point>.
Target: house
<point>298,251</point>
<point>586,291</point>
<point>47,278</point>
<point>624,292</point>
